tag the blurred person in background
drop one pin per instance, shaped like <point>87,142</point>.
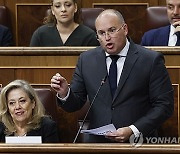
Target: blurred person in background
<point>23,114</point>
<point>62,28</point>
<point>167,35</point>
<point>6,38</point>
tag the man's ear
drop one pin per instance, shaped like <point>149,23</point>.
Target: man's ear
<point>125,28</point>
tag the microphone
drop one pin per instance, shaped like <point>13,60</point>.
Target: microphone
<point>80,128</point>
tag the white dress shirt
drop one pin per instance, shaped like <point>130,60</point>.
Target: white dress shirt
<point>172,37</point>
<point>120,61</point>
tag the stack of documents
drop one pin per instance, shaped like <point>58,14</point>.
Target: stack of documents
<point>101,130</point>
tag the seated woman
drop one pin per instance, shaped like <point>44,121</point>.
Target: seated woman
<point>62,29</point>
<point>23,114</point>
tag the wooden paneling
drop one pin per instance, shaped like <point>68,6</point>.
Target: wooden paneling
<point>42,75</point>
<point>6,75</point>
<point>162,3</point>
<point>35,14</point>
<point>174,72</point>
<point>33,75</point>
<point>1,2</point>
<point>150,2</point>
<point>167,129</point>
<point>11,5</point>
<point>38,61</point>
<point>33,63</point>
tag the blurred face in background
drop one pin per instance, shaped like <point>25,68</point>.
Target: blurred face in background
<point>111,32</point>
<point>20,106</point>
<point>64,10</point>
<point>173,11</point>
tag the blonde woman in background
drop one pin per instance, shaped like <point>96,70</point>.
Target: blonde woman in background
<point>62,28</point>
<point>23,114</point>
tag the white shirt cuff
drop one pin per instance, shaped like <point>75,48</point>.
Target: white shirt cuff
<point>65,98</point>
<point>135,130</point>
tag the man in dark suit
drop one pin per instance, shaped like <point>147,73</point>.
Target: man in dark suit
<point>143,99</point>
<point>6,38</point>
<point>167,35</point>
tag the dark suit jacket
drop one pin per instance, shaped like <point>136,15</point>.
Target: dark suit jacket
<point>6,38</point>
<point>156,37</point>
<point>48,131</point>
<point>144,96</point>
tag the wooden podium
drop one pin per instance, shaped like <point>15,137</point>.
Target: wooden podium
<point>88,148</point>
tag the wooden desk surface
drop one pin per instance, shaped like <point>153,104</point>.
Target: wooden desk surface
<point>69,50</point>
<point>64,56</point>
<point>88,148</point>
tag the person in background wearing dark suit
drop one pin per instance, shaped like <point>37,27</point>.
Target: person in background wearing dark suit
<point>62,29</point>
<point>167,35</point>
<point>137,96</point>
<point>6,38</point>
<point>23,114</point>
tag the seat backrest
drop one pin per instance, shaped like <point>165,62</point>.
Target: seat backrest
<point>156,17</point>
<point>89,15</point>
<point>48,99</point>
<point>4,17</point>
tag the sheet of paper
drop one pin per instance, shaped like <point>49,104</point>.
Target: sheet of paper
<point>101,130</point>
<point>23,139</point>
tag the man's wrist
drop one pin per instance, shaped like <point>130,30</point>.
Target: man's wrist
<point>135,131</point>
<point>65,98</point>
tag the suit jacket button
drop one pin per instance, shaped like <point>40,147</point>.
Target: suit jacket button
<point>112,108</point>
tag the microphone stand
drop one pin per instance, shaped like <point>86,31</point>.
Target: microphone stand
<point>80,128</point>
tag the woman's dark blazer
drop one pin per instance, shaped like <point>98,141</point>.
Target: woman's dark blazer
<point>48,131</point>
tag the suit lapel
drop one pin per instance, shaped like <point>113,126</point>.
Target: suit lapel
<point>101,63</point>
<point>163,37</point>
<point>131,58</point>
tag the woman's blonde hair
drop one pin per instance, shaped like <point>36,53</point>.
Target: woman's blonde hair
<point>50,18</point>
<point>5,117</point>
